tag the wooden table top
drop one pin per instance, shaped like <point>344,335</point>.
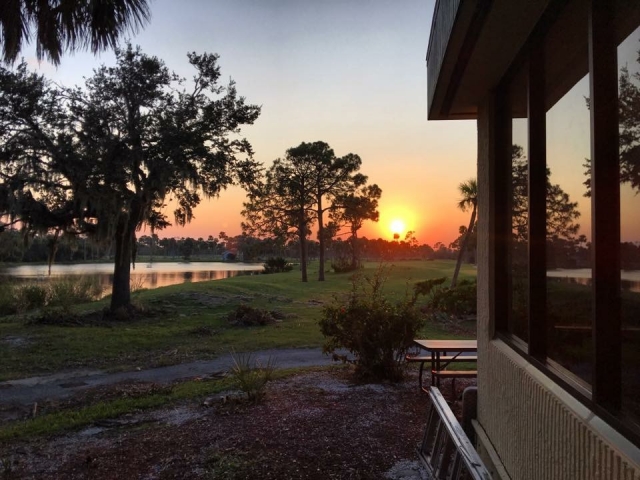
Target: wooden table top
<point>448,345</point>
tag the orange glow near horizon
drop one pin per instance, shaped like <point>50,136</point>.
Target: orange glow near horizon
<point>439,222</point>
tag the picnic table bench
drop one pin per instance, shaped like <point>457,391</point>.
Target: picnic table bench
<point>442,354</point>
<point>426,359</point>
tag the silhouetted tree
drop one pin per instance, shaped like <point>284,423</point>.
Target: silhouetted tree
<point>299,190</point>
<point>331,178</point>
<point>280,205</point>
<point>355,209</point>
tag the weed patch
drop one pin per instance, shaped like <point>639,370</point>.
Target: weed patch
<point>246,316</point>
<point>71,419</point>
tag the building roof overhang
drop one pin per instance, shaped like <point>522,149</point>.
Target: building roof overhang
<point>472,44</point>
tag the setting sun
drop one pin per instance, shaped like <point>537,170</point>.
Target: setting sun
<point>397,226</point>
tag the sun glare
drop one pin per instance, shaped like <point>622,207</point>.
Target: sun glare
<point>397,226</point>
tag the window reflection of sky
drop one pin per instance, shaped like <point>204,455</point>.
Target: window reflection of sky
<point>630,280</point>
<point>568,127</point>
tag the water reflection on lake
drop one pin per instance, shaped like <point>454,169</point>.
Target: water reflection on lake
<point>630,279</point>
<point>146,275</point>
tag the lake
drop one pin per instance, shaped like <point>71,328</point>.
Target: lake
<point>145,275</point>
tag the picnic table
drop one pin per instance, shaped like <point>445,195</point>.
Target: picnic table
<point>442,354</point>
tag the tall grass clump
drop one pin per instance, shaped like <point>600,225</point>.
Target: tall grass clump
<point>29,296</point>
<point>67,291</point>
<point>7,303</point>
<point>59,292</point>
<point>377,331</point>
<point>251,376</point>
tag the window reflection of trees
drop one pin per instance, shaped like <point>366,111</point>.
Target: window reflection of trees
<point>568,305</point>
<point>629,138</point>
<point>519,245</point>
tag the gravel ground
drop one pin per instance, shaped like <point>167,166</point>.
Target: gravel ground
<point>317,425</point>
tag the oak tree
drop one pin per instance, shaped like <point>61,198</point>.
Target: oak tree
<point>104,159</point>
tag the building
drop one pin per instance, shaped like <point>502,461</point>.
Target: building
<point>559,365</point>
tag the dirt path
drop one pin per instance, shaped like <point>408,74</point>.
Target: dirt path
<point>63,385</point>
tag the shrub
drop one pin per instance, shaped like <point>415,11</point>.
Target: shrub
<point>427,288</point>
<point>276,265</point>
<point>373,329</point>
<point>459,300</point>
<point>247,316</point>
<point>344,265</point>
<point>252,376</point>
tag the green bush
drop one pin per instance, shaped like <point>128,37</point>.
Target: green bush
<point>373,329</point>
<point>276,265</point>
<point>459,300</point>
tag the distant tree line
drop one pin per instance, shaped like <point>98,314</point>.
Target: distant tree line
<point>77,249</point>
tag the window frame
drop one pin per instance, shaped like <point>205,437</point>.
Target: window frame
<point>604,394</point>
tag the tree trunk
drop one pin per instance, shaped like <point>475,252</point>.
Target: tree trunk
<point>463,247</point>
<point>321,241</point>
<point>302,235</point>
<point>51,250</point>
<point>124,238</point>
<point>355,260</point>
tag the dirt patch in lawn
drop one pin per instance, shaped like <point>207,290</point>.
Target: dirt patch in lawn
<point>316,425</point>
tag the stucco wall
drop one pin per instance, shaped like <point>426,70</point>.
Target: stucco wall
<point>536,428</point>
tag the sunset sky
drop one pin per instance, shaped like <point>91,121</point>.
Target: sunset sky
<point>352,74</point>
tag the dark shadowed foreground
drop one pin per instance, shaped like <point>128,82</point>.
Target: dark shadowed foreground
<point>314,425</point>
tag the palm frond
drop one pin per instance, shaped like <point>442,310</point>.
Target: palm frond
<point>67,25</point>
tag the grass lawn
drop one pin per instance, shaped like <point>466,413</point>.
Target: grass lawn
<point>189,322</point>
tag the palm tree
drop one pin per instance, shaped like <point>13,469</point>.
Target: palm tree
<point>469,192</point>
<point>60,25</point>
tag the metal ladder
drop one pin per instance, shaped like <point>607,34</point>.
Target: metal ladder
<point>446,451</point>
